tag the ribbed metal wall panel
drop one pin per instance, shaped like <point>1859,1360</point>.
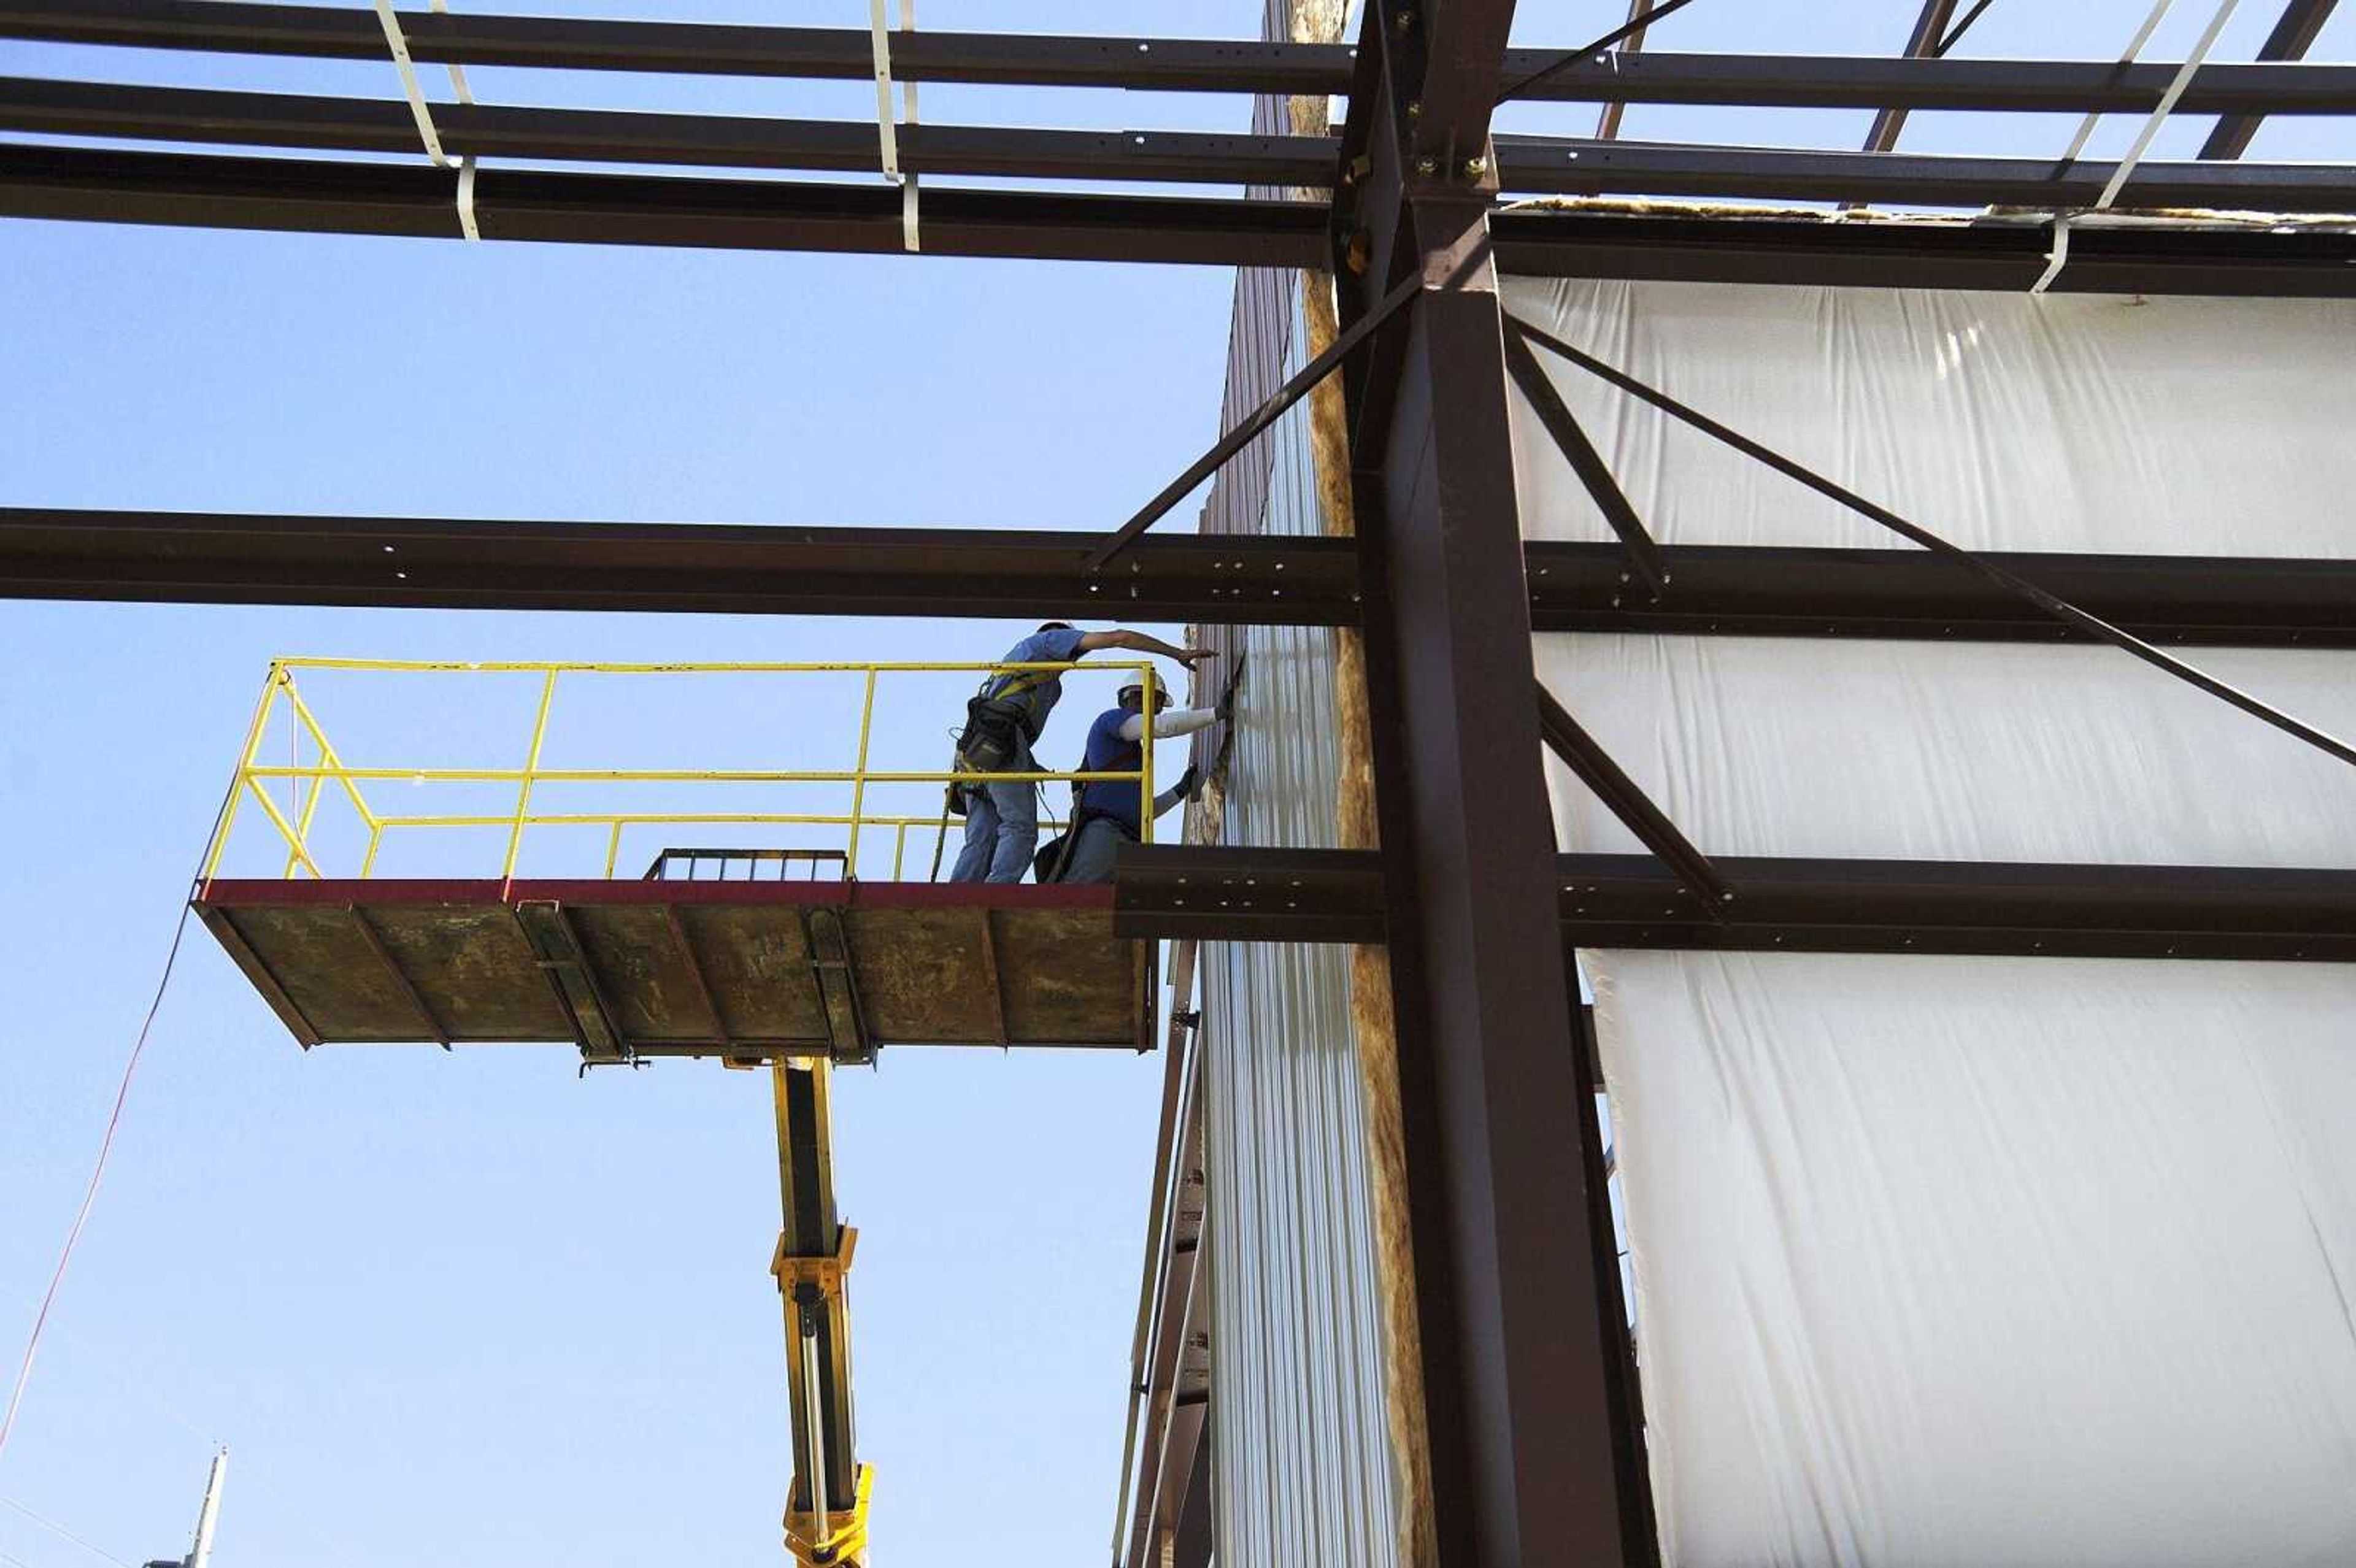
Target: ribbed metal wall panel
<point>1303,1472</point>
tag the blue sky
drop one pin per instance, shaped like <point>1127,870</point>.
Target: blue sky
<point>461,1309</point>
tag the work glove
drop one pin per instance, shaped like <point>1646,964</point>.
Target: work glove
<point>1190,783</point>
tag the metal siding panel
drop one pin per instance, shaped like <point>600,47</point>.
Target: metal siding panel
<point>1305,1473</point>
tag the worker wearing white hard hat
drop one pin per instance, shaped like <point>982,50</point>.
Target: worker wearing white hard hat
<point>1003,721</point>
<point>1107,813</point>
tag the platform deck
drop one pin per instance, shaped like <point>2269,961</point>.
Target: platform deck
<point>726,969</point>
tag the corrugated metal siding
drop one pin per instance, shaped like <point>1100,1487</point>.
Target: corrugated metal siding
<point>1303,1472</point>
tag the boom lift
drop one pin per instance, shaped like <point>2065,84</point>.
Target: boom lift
<point>826,1516</point>
<point>797,974</point>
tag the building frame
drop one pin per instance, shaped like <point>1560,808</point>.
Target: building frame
<point>1534,1436</point>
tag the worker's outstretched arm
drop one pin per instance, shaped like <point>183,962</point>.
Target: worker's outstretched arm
<point>1188,786</point>
<point>1139,641</point>
<point>1175,721</point>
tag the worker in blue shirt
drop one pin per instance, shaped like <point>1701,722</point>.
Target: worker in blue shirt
<point>1004,722</point>
<point>1108,812</point>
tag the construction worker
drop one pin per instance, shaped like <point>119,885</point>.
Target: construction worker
<point>1004,722</point>
<point>1108,812</point>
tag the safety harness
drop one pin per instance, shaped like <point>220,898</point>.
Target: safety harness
<point>997,725</point>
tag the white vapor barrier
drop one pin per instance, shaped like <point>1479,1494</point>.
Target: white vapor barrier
<point>1947,1263</point>
<point>2129,425</point>
<point>1946,752</point>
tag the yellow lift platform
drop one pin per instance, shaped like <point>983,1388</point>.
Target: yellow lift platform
<point>781,965</point>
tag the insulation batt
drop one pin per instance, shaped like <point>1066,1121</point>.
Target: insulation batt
<point>1977,1261</point>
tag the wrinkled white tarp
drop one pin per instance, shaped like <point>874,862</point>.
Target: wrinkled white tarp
<point>1979,1260</point>
<point>1967,1261</point>
<point>2161,426</point>
<point>1941,751</point>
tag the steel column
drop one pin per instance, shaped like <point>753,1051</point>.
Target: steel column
<point>1517,1407</point>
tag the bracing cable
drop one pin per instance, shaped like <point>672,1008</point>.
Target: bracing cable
<point>1634,24</point>
<point>62,1533</point>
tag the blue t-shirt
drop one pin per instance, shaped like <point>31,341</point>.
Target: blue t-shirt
<point>1058,646</point>
<point>1109,753</point>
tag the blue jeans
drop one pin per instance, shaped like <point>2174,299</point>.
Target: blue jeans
<point>1002,828</point>
<point>1092,853</point>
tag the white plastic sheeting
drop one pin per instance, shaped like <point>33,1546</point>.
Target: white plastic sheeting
<point>1947,1261</point>
<point>1933,751</point>
<point>2164,426</point>
<point>1991,1261</point>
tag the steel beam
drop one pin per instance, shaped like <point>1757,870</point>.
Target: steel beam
<point>1729,590</point>
<point>2007,255</point>
<point>45,107</point>
<point>2294,34</point>
<point>1553,166</point>
<point>1585,167</point>
<point>1777,591</point>
<point>344,197</point>
<point>1595,768</point>
<point>576,43</point>
<point>419,563</point>
<point>348,197</point>
<point>1173,65</point>
<point>2045,86</point>
<point>1517,1407</point>
<point>1782,905</point>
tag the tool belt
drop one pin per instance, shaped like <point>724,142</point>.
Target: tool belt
<point>997,726</point>
<point>994,735</point>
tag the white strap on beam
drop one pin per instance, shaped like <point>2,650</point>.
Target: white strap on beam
<point>2135,46</point>
<point>458,72</point>
<point>399,44</point>
<point>2057,258</point>
<point>879,39</point>
<point>2167,104</point>
<point>910,240</point>
<point>458,85</point>
<point>423,113</point>
<point>887,134</point>
<point>2135,154</point>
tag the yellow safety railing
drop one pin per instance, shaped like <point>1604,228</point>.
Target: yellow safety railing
<point>294,822</point>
